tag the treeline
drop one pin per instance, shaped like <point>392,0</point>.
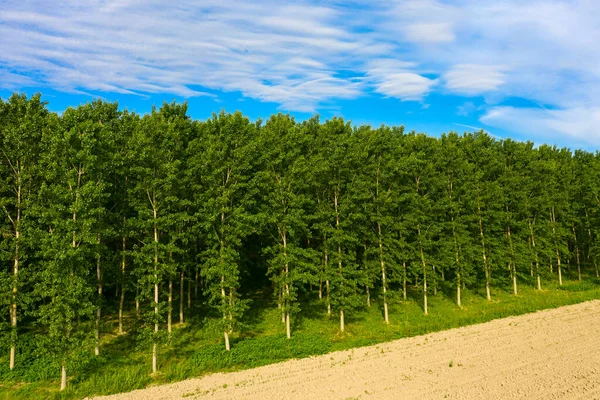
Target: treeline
<point>159,211</point>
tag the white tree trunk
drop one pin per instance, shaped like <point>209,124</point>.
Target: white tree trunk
<point>99,309</point>
<point>181,283</point>
<point>170,306</point>
<point>63,377</point>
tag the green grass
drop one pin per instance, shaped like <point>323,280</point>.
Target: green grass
<point>197,349</point>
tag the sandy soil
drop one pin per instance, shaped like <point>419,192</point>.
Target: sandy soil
<point>545,355</point>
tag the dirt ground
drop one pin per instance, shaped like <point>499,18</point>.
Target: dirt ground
<point>550,354</point>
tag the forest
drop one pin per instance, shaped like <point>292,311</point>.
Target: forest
<point>116,224</point>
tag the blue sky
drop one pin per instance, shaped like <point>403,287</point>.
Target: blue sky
<point>529,70</point>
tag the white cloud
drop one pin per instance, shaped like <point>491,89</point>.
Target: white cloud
<point>472,79</point>
<point>429,32</point>
<point>395,79</point>
<point>576,125</point>
<point>287,54</point>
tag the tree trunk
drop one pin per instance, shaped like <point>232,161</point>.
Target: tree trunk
<point>577,253</point>
<point>170,307</point>
<point>196,280</point>
<point>458,266</point>
<point>288,330</point>
<point>137,298</point>
<point>458,291</point>
<point>383,280</point>
<point>63,377</point>
<point>404,280</point>
<point>328,302</point>
<point>513,265</point>
<point>337,227</point>
<point>281,297</point>
<point>537,261</point>
<point>189,292</point>
<point>122,299</point>
<point>156,316</point>
<point>181,283</point>
<point>223,297</point>
<point>99,309</point>
<point>286,302</point>
<point>15,288</point>
<point>368,296</point>
<point>424,270</point>
<point>485,261</point>
<point>553,218</point>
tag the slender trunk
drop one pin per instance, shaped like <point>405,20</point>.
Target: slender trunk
<point>424,270</point>
<point>156,316</point>
<point>328,302</point>
<point>590,245</point>
<point>181,283</point>
<point>577,253</point>
<point>531,250</point>
<point>196,280</point>
<point>281,297</point>
<point>485,260</point>
<point>434,281</point>
<point>381,260</point>
<point>99,309</point>
<point>368,296</point>
<point>337,227</point>
<point>553,218</point>
<point>513,265</point>
<point>320,289</point>
<point>288,330</point>
<point>231,310</point>
<point>13,307</point>
<point>189,292</point>
<point>286,302</point>
<point>63,377</point>
<point>537,261</point>
<point>383,280</point>
<point>326,268</point>
<point>458,266</point>
<point>223,297</point>
<point>137,298</point>
<point>170,307</point>
<point>122,299</point>
<point>404,280</point>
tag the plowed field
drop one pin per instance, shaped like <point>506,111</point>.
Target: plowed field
<point>549,354</point>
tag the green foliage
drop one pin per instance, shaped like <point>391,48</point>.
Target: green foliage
<point>244,220</point>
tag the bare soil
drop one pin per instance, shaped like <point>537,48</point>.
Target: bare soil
<point>549,354</point>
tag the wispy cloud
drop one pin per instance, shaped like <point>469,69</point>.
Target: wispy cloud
<point>286,54</point>
<point>395,78</point>
<point>580,124</point>
<point>472,79</point>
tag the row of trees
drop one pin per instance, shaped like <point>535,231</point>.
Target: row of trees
<point>101,204</point>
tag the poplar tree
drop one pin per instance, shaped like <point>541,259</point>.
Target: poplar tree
<point>224,192</point>
<point>23,121</point>
<point>458,248</point>
<point>340,181</point>
<point>285,173</point>
<point>72,208</point>
<point>155,184</point>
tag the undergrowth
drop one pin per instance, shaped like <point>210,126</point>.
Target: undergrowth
<point>196,349</point>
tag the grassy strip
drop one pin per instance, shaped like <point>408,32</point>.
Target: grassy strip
<point>196,349</point>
